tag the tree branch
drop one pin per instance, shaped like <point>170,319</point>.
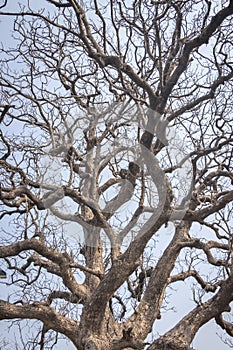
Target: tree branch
<point>58,258</point>
<point>43,313</point>
<point>186,329</point>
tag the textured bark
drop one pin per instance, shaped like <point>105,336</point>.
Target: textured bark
<point>102,85</point>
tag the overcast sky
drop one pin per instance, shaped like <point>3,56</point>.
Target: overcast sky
<point>206,338</point>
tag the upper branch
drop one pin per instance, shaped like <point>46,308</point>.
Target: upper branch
<point>58,258</point>
<point>199,40</point>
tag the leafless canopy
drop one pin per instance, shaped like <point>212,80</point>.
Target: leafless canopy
<point>116,169</point>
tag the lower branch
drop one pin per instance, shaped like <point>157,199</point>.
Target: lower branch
<point>46,314</point>
<point>181,336</point>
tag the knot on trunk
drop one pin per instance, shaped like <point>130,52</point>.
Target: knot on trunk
<point>90,345</point>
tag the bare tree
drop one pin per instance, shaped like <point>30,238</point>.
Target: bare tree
<point>116,130</point>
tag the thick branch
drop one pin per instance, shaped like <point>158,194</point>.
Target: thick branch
<point>50,318</point>
<point>227,326</point>
<point>201,214</point>
<point>93,313</point>
<point>149,308</point>
<point>201,39</point>
<point>183,333</point>
<point>58,258</point>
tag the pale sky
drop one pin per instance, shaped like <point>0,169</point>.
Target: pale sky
<point>206,338</point>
